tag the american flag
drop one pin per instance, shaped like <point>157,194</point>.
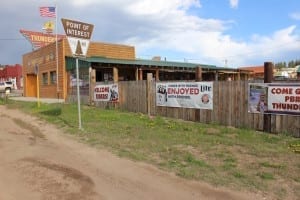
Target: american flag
<point>47,11</point>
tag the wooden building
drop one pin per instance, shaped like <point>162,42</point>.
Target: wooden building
<point>48,77</point>
<point>255,72</point>
<point>298,72</point>
<point>51,74</point>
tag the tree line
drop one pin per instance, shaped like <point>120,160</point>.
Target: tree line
<point>289,64</point>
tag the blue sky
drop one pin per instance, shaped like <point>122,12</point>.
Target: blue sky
<point>230,33</point>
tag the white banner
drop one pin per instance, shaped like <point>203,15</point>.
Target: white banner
<point>197,95</point>
<point>284,99</point>
<point>106,93</point>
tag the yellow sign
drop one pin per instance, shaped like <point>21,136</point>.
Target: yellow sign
<point>48,26</point>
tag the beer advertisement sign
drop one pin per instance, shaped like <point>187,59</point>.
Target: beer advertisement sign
<point>198,95</point>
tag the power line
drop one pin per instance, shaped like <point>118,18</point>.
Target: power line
<point>10,39</point>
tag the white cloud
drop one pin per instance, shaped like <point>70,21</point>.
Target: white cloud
<point>204,40</point>
<point>159,7</point>
<point>295,15</point>
<point>142,6</point>
<point>275,47</point>
<point>234,3</point>
<point>166,28</point>
<point>213,47</point>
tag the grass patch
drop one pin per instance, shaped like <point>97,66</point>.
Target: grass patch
<point>224,156</point>
<point>191,160</point>
<point>272,165</point>
<point>238,175</point>
<point>229,163</point>
<point>295,147</point>
<point>266,176</point>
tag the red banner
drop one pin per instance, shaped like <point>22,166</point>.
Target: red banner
<point>39,39</point>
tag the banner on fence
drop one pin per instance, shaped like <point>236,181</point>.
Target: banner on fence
<point>274,98</point>
<point>197,95</point>
<point>284,99</point>
<point>257,98</point>
<point>108,93</point>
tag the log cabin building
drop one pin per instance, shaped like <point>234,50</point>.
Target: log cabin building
<point>48,77</point>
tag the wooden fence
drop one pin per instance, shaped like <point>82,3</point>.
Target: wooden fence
<point>230,107</point>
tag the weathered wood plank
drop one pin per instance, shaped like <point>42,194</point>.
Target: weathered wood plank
<point>230,107</point>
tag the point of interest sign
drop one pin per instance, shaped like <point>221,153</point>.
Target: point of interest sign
<point>79,35</point>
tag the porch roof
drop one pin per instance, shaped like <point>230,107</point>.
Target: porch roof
<point>87,62</point>
<point>143,62</point>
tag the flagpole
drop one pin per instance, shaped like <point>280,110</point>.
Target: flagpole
<point>56,51</point>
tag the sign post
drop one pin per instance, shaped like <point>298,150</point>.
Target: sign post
<point>79,35</point>
<point>36,71</point>
<point>78,94</point>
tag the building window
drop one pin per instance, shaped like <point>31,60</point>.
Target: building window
<point>51,56</point>
<point>83,81</point>
<point>53,77</point>
<point>45,78</point>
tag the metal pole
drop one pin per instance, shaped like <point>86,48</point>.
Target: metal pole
<point>78,94</point>
<point>36,71</point>
<point>56,50</point>
<point>38,90</point>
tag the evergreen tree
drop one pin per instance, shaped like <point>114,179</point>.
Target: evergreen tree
<point>290,64</point>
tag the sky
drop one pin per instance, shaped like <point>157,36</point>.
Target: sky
<point>225,33</point>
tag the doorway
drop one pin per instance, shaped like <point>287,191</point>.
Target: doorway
<point>31,85</point>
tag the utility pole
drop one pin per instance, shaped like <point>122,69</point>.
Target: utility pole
<point>268,78</point>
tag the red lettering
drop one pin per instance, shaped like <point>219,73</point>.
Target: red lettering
<point>285,106</point>
<point>178,90</point>
<point>101,96</point>
<point>194,91</point>
<point>292,98</point>
<point>183,90</point>
<point>102,89</point>
<point>282,90</point>
<point>171,90</point>
<point>286,98</point>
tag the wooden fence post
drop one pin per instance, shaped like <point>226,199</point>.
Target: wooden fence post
<point>198,76</point>
<point>268,78</point>
<point>149,92</point>
<point>92,84</point>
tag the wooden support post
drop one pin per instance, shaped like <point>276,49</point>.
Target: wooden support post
<point>157,75</point>
<point>198,76</point>
<point>268,78</point>
<point>137,74</point>
<point>140,74</point>
<point>239,75</point>
<point>115,74</point>
<point>216,76</point>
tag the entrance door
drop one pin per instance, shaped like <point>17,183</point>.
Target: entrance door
<point>31,85</point>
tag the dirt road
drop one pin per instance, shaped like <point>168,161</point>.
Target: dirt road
<point>38,161</point>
